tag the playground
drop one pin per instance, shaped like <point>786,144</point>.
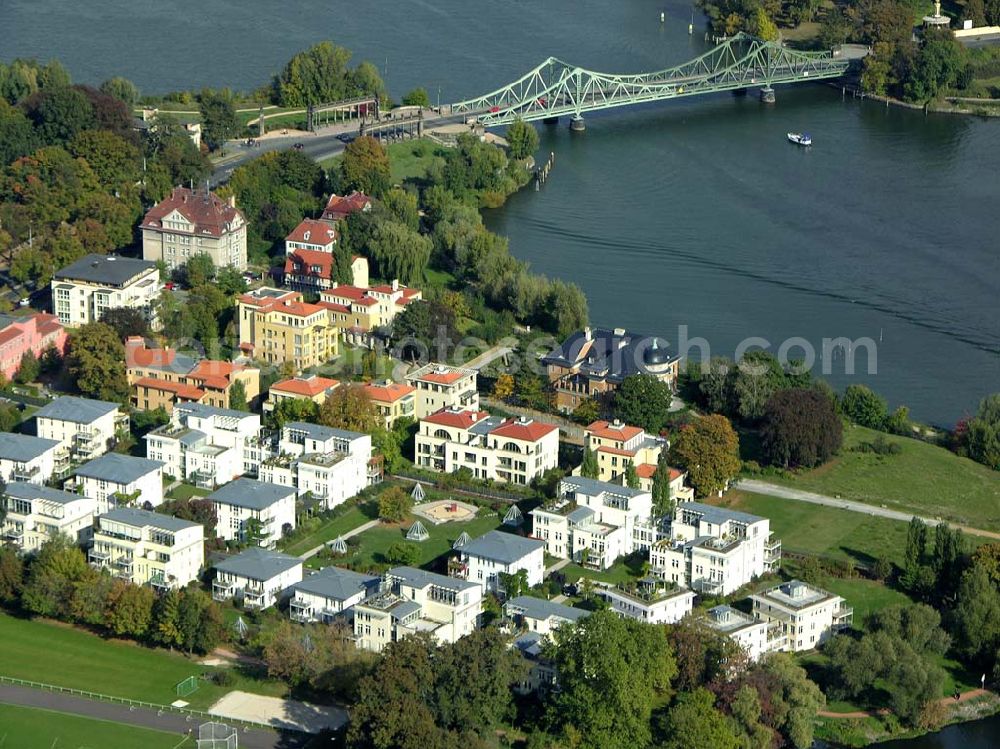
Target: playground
<point>279,713</point>
<point>446,511</point>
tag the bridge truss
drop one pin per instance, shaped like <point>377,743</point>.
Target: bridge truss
<point>556,88</point>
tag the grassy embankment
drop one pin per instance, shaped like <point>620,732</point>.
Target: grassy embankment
<point>408,160</point>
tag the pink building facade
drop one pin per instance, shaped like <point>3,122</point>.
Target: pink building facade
<point>33,333</point>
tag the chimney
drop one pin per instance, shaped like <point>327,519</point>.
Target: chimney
<point>395,284</point>
<point>587,334</point>
<point>232,201</point>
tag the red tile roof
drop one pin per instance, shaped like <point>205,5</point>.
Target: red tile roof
<point>188,392</point>
<point>208,213</point>
<point>609,431</point>
<point>457,419</point>
<point>305,386</point>
<point>339,207</point>
<point>301,262</point>
<point>265,302</point>
<point>389,393</point>
<point>526,431</point>
<point>137,355</point>
<point>646,471</point>
<point>312,231</point>
<point>615,451</point>
<point>442,378</point>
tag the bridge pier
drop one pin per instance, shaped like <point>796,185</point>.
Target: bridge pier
<point>576,124</point>
<point>767,95</point>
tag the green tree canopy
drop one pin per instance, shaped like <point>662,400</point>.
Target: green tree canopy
<point>418,97</point>
<point>862,406</point>
<point>321,74</point>
<point>97,361</point>
<point>522,139</point>
<point>693,721</point>
<point>218,118</point>
<point>365,166</point>
<point>709,450</point>
<point>983,435</point>
<point>121,88</point>
<point>643,400</point>
<point>800,428</point>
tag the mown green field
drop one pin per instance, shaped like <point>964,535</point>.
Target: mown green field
<point>923,479</point>
<point>60,654</point>
<point>354,517</point>
<point>35,728</point>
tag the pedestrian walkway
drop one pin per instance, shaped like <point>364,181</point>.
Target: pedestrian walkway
<point>557,566</point>
<point>963,697</point>
<point>353,532</point>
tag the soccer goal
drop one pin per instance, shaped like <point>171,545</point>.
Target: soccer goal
<point>187,686</point>
<point>217,736</point>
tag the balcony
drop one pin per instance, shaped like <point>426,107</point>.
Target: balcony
<point>843,617</point>
<point>98,558</point>
<point>253,599</point>
<point>223,591</point>
<point>159,581</point>
<point>772,554</point>
<point>14,533</point>
<point>23,473</point>
<point>707,586</point>
<point>777,639</point>
<point>458,568</point>
<point>300,610</point>
<point>203,479</point>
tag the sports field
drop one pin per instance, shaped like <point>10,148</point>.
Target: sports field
<point>34,728</point>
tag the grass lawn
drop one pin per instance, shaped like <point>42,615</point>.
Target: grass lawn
<point>65,656</point>
<point>922,479</point>
<point>357,515</point>
<point>35,728</point>
<point>413,158</point>
<point>624,570</point>
<point>865,596</point>
<point>375,542</point>
<point>186,491</point>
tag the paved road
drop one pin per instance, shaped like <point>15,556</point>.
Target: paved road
<point>490,355</point>
<point>353,532</point>
<point>251,738</point>
<point>774,490</point>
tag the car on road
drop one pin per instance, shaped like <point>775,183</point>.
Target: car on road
<point>298,146</point>
<point>345,137</point>
<point>170,286</point>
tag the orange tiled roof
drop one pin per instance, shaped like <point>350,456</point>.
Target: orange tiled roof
<point>305,386</point>
<point>457,419</point>
<point>531,431</point>
<point>188,392</point>
<point>609,431</point>
<point>388,393</point>
<point>311,231</point>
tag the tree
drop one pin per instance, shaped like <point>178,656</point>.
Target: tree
<point>976,618</point>
<point>11,575</point>
<point>129,609</point>
<point>199,621</point>
<point>349,407</point>
<point>663,502</point>
<point>29,369</point>
<point>17,137</point>
<point>758,375</point>
<point>10,417</point>
<point>321,74</point>
<point>503,388</point>
<point>394,505</point>
<point>800,428</point>
<point>218,119</point>
<point>238,396</point>
<point>709,450</point>
<point>400,252</point>
<point>60,113</point>
<point>365,166</point>
<point>199,270</point>
<point>522,139</point>
<point>294,409</point>
<point>115,161</point>
<point>165,628</point>
<point>121,88</point>
<point>514,584</point>
<point>694,721</point>
<point>983,435</point>
<point>587,412</point>
<point>792,699</point>
<point>611,673</point>
<point>417,98</point>
<point>254,534</point>
<point>862,406</point>
<point>51,576</point>
<point>762,26</point>
<point>402,553</point>
<point>643,400</point>
<point>938,64</point>
<point>126,321</point>
<point>631,476</point>
<point>97,360</point>
<point>589,468</point>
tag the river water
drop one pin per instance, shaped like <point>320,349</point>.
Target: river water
<point>692,213</point>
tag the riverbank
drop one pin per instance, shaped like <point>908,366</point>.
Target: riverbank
<point>990,108</point>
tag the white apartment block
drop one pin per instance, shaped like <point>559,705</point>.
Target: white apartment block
<point>256,578</point>
<point>195,222</point>
<point>205,445</point>
<point>27,458</point>
<point>754,636</point>
<point>540,615</point>
<point>243,500</point>
<point>412,600</point>
<point>514,451</point>
<point>592,522</point>
<point>83,291</point>
<point>440,386</point>
<point>330,464</point>
<point>484,559</point>
<point>807,616</point>
<point>85,428</point>
<point>146,547</point>
<point>652,602</point>
<point>36,514</point>
<point>616,444</point>
<point>114,480</point>
<point>329,593</point>
<point>714,549</point>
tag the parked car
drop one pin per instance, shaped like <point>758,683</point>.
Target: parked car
<point>297,146</point>
<point>24,302</point>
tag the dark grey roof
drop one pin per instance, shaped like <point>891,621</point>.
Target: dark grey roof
<point>141,518</point>
<point>337,584</point>
<point>23,447</point>
<point>505,548</point>
<point>22,490</point>
<point>105,269</point>
<point>530,644</point>
<point>593,487</point>
<point>612,354</point>
<point>121,469</point>
<point>321,433</point>
<point>403,609</point>
<point>250,494</point>
<point>718,515</point>
<point>422,578</point>
<point>539,608</point>
<point>258,564</point>
<point>77,410</point>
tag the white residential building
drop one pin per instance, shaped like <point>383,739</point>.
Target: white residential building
<point>412,600</point>
<point>116,479</point>
<point>329,593</point>
<point>592,522</point>
<point>514,451</point>
<point>36,514</point>
<point>652,602</point>
<point>83,291</point>
<point>205,445</point>
<point>714,549</point>
<point>85,428</point>
<point>146,547</point>
<point>27,458</point>
<point>440,386</point>
<point>330,464</point>
<point>484,559</point>
<point>616,444</point>
<point>256,578</point>
<point>807,616</point>
<point>756,637</point>
<point>242,500</point>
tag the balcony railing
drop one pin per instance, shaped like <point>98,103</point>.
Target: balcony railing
<point>300,611</point>
<point>13,534</point>
<point>705,585</point>
<point>253,599</point>
<point>843,616</point>
<point>98,558</point>
<point>223,591</point>
<point>26,474</point>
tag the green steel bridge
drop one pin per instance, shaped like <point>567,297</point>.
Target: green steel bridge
<point>555,88</point>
